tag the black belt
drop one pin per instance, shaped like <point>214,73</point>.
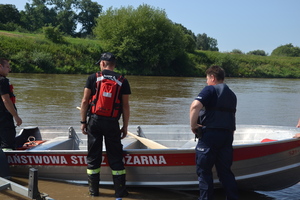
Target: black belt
<point>103,117</point>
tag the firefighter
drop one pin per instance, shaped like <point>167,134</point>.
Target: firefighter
<point>8,110</point>
<point>103,122</point>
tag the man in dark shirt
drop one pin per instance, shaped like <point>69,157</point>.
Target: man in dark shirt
<point>8,111</point>
<point>99,126</point>
<point>216,105</point>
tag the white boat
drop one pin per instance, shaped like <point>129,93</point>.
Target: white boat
<point>266,158</point>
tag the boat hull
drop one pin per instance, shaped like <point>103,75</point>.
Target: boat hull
<point>144,168</point>
<point>263,166</point>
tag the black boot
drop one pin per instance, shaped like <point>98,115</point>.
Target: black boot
<point>119,185</point>
<point>93,180</point>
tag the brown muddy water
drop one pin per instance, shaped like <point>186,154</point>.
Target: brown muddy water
<point>51,100</point>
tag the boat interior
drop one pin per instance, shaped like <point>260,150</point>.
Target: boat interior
<point>146,137</point>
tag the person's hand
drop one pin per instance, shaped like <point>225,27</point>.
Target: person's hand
<point>297,135</point>
<point>194,128</point>
<point>123,132</point>
<point>83,129</point>
<point>18,120</point>
<point>298,125</point>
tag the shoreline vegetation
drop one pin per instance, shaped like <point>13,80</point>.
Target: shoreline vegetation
<point>33,53</point>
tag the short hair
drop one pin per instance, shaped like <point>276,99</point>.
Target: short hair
<point>216,71</point>
<point>3,61</point>
<point>110,62</point>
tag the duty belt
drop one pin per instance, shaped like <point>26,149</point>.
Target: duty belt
<point>99,117</point>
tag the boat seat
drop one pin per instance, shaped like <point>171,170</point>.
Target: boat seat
<point>132,143</point>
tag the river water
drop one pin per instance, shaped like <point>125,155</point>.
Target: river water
<point>51,100</point>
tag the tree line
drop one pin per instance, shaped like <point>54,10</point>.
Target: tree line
<point>75,18</point>
<point>144,40</point>
<point>64,14</point>
<point>35,54</point>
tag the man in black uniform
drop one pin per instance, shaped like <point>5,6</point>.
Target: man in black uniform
<point>99,126</point>
<point>8,111</point>
<point>216,104</point>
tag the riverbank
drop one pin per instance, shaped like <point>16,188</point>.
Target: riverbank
<point>33,53</point>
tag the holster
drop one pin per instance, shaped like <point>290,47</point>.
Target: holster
<point>199,133</point>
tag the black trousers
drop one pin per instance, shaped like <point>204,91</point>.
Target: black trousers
<point>109,130</point>
<point>7,130</point>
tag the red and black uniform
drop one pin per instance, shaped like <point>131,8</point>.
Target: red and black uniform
<point>100,127</point>
<point>7,126</point>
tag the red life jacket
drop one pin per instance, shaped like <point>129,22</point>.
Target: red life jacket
<point>106,100</point>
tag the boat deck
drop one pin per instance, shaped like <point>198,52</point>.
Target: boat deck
<point>172,137</point>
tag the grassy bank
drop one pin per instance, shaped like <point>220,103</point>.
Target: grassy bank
<point>32,53</point>
<point>240,65</point>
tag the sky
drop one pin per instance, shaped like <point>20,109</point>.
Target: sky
<point>235,24</point>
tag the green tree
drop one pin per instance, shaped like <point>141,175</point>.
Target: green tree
<point>66,18</point>
<point>187,31</point>
<point>144,39</point>
<point>89,11</point>
<point>203,42</point>
<point>190,44</point>
<point>37,15</point>
<point>66,21</point>
<point>190,38</point>
<point>236,51</point>
<point>53,34</point>
<point>64,14</point>
<point>257,53</point>
<point>9,13</point>
<point>287,50</point>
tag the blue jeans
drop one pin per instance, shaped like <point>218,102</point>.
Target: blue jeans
<point>215,148</point>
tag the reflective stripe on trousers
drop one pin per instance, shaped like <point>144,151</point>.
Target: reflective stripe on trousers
<point>93,171</point>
